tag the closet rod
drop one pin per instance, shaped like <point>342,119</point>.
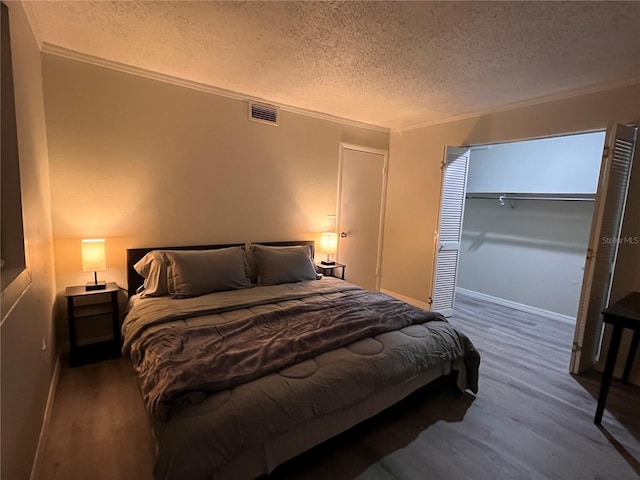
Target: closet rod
<point>568,198</point>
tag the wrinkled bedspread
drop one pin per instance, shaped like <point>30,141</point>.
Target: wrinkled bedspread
<point>269,341</point>
<point>184,364</point>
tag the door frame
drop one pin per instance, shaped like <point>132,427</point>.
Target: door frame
<point>383,199</point>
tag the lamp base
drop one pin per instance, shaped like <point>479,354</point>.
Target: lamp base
<point>325,262</point>
<point>95,286</point>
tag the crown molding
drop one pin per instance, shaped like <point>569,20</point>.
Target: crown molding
<point>554,97</point>
<point>125,68</point>
<point>162,77</point>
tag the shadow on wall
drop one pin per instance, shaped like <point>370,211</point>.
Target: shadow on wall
<point>543,225</point>
<point>479,239</point>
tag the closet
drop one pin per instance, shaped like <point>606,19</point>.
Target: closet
<point>527,217</point>
<point>542,228</point>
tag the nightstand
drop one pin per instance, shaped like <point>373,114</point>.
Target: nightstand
<point>323,269</point>
<point>83,306</point>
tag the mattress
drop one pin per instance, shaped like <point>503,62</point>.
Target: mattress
<point>219,422</point>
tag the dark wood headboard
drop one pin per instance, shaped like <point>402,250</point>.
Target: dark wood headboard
<point>134,281</point>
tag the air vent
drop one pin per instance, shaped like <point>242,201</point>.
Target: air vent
<point>263,113</point>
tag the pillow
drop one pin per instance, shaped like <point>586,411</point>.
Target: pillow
<point>284,264</point>
<point>153,269</point>
<point>191,273</point>
<point>252,262</point>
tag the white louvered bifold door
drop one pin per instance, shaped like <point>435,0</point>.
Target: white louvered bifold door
<point>603,244</point>
<point>447,239</point>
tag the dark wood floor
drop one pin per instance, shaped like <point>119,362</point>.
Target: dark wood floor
<point>530,420</point>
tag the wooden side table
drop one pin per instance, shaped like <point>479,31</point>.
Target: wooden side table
<point>623,314</point>
<point>103,302</point>
<point>323,269</point>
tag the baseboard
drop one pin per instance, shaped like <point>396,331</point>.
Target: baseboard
<point>44,430</point>
<point>409,300</point>
<point>515,305</point>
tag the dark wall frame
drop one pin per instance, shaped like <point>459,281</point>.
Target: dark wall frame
<point>11,232</point>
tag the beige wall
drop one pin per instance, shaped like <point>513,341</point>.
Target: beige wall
<point>26,368</point>
<point>143,162</point>
<point>413,194</point>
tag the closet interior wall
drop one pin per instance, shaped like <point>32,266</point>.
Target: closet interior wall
<point>526,223</point>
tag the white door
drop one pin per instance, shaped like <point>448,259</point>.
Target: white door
<point>362,186</point>
<point>449,233</point>
<point>603,244</point>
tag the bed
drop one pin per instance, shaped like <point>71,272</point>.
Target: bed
<point>246,357</point>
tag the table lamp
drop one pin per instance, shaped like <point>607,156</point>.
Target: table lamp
<point>94,260</point>
<point>328,245</point>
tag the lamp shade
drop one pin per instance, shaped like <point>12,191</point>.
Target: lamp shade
<point>93,255</point>
<point>329,242</point>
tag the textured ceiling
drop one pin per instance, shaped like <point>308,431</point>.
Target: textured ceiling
<point>391,64</point>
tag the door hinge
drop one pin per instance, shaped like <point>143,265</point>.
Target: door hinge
<point>590,254</point>
<point>443,164</point>
<point>575,348</point>
<point>430,301</point>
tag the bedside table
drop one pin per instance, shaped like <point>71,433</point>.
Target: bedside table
<point>84,305</point>
<point>323,269</point>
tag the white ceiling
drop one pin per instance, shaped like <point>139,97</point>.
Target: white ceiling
<point>390,64</point>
